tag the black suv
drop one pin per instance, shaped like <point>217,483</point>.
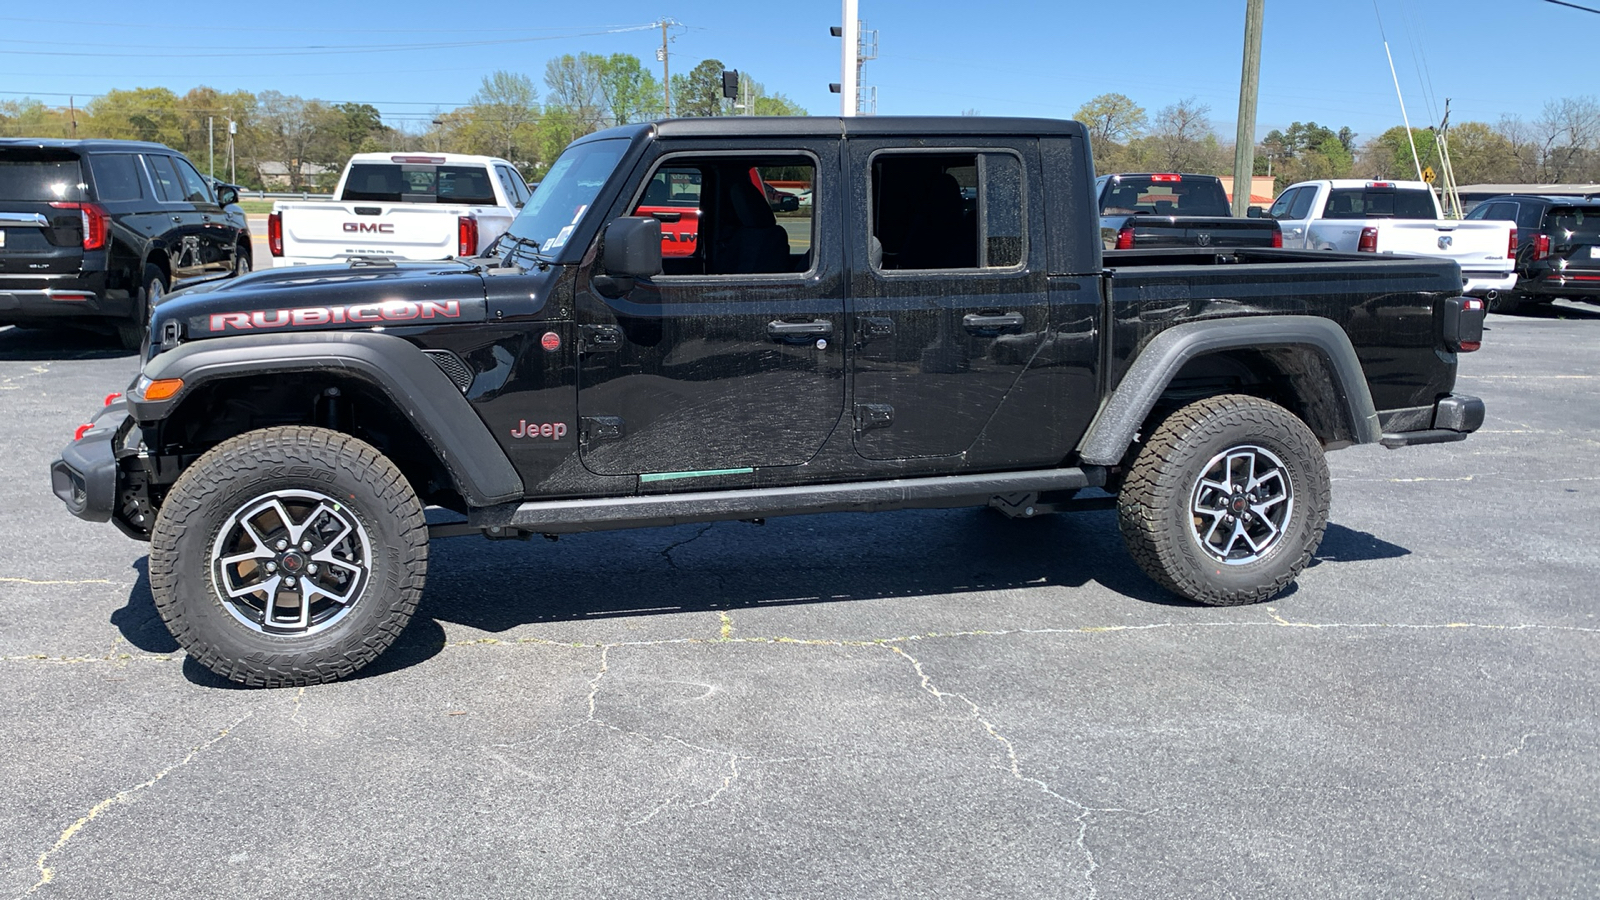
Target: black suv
<point>94,232</point>
<point>1558,247</point>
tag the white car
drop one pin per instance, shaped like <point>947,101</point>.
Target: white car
<point>401,206</point>
<point>1400,218</point>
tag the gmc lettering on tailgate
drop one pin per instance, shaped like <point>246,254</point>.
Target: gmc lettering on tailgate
<point>369,228</point>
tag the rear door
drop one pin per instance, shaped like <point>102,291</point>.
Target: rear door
<point>1294,211</point>
<point>951,290</point>
<point>41,232</point>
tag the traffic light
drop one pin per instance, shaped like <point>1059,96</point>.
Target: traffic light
<point>730,84</point>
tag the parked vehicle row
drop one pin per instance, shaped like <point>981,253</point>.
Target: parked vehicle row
<point>95,232</point>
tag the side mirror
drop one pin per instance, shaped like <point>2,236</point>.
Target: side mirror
<point>227,195</point>
<point>787,203</point>
<point>1256,212</point>
<point>630,248</point>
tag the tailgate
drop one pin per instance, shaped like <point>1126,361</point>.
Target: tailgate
<point>41,226</point>
<point>403,230</point>
<point>1475,245</point>
<point>1200,231</point>
<point>1574,238</point>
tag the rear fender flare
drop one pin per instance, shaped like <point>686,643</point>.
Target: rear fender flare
<point>423,394</point>
<point>1126,410</point>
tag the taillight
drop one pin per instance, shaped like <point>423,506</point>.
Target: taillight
<point>96,223</point>
<point>275,234</point>
<point>1511,248</point>
<point>1125,238</point>
<point>1541,246</point>
<point>466,236</point>
<point>1369,240</point>
<point>1166,177</point>
<point>1277,236</point>
<point>1462,324</point>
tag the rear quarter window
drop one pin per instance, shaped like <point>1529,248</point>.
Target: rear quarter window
<point>116,177</point>
<point>40,177</point>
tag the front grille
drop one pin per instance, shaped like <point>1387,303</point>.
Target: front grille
<point>452,367</point>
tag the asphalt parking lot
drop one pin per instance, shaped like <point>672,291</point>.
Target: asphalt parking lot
<point>920,704</point>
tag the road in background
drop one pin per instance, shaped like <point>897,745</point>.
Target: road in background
<point>920,703</point>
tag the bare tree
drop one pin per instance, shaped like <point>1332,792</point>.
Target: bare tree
<point>576,86</point>
<point>1181,140</point>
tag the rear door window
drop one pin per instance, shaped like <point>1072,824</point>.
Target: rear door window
<point>116,177</point>
<point>165,178</point>
<point>960,211</point>
<point>1281,206</point>
<point>1301,209</point>
<point>1528,216</point>
<point>40,176</point>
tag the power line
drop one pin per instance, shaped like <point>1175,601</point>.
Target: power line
<point>1573,5</point>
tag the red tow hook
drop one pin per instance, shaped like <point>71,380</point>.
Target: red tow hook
<point>82,430</point>
<point>113,397</point>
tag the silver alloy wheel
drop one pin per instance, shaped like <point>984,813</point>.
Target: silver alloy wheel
<point>152,294</point>
<point>291,562</point>
<point>1241,504</point>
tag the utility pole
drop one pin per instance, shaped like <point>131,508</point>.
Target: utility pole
<point>211,144</point>
<point>72,106</point>
<point>666,71</point>
<point>233,170</point>
<point>1244,148</point>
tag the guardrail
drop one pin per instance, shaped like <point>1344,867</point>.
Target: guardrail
<point>283,195</point>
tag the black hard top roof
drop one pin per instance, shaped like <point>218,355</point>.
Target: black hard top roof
<point>840,126</point>
<point>87,144</point>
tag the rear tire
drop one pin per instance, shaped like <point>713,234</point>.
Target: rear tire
<point>1227,500</point>
<point>153,286</point>
<point>1508,303</point>
<point>241,261</point>
<point>288,556</point>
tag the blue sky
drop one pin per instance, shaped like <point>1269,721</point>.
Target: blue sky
<point>1321,61</point>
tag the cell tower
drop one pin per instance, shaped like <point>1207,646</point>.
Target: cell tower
<point>857,45</point>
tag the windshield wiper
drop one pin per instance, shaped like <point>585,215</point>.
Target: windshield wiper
<point>531,243</point>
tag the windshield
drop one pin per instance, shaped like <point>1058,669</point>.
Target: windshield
<point>1166,195</point>
<point>1380,203</point>
<point>561,199</point>
<point>1568,222</point>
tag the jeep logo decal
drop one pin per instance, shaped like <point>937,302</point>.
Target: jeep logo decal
<point>553,430</point>
<point>368,228</point>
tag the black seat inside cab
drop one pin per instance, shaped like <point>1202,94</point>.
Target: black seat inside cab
<point>749,239</point>
<point>942,235</point>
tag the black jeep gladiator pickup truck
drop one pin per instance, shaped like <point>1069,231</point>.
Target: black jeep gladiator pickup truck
<point>939,329</point>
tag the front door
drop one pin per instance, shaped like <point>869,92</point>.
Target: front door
<point>952,304</point>
<point>732,359</point>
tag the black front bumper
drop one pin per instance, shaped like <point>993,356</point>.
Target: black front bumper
<point>1454,417</point>
<point>85,475</point>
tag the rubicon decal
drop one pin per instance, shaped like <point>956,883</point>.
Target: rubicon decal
<point>357,313</point>
<point>553,430</point>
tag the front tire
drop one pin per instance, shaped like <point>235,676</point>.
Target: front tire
<point>288,556</point>
<point>1227,500</point>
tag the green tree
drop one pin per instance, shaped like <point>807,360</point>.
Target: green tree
<point>500,120</point>
<point>31,118</point>
<point>1113,120</point>
<point>1389,154</point>
<point>1481,155</point>
<point>142,114</point>
<point>699,93</point>
<point>631,92</point>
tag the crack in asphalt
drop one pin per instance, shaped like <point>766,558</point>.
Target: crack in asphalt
<point>47,874</point>
<point>1014,768</point>
<point>666,552</point>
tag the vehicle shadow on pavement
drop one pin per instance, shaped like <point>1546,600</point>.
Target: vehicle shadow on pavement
<point>701,569</point>
<point>24,344</point>
<point>1555,311</point>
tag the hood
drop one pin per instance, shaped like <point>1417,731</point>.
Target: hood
<point>320,298</point>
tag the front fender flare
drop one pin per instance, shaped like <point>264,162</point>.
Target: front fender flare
<point>417,388</point>
<point>1124,413</point>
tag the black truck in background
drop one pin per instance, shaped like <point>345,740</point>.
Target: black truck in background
<point>1141,212</point>
<point>940,328</point>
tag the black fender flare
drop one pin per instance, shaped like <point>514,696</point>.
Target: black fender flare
<point>482,473</point>
<point>1125,411</point>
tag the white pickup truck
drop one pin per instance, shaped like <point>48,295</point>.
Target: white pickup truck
<point>403,206</point>
<point>1400,218</point>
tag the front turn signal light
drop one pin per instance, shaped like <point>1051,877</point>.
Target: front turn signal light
<point>162,389</point>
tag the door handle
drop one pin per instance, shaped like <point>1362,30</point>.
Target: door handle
<point>785,331</point>
<point>979,322</point>
<point>601,337</point>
